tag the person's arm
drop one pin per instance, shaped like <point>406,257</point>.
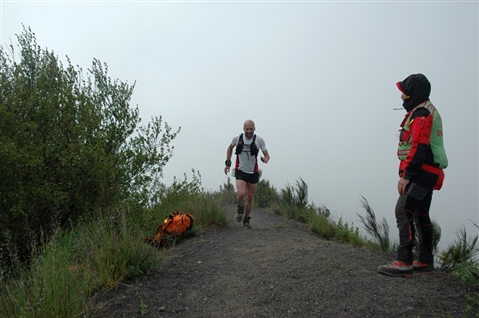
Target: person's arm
<point>265,157</point>
<point>229,153</point>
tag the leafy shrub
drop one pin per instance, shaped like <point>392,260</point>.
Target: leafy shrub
<point>266,194</point>
<point>322,227</point>
<point>69,144</point>
<point>347,233</point>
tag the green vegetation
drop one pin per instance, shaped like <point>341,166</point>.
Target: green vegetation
<point>70,144</point>
<point>81,188</point>
<point>81,184</point>
<point>292,202</point>
<point>378,231</point>
<point>98,253</point>
<point>265,195</point>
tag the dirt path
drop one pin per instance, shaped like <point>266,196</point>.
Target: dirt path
<point>279,269</point>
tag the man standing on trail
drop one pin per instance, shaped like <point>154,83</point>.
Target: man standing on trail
<point>246,168</point>
<point>422,160</point>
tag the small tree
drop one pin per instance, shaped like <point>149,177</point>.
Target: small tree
<point>70,143</point>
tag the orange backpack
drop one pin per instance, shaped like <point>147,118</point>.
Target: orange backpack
<point>174,225</point>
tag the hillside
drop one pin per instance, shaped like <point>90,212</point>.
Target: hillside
<point>280,269</point>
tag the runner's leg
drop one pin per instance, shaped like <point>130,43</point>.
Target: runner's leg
<point>241,188</point>
<point>250,197</point>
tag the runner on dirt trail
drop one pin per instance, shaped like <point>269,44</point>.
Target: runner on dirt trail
<point>246,168</point>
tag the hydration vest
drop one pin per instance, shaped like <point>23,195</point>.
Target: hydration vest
<point>253,149</point>
<point>435,138</point>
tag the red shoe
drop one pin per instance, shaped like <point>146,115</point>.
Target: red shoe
<point>397,268</point>
<point>422,267</point>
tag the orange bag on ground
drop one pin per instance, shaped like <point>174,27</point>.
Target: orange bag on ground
<point>173,226</point>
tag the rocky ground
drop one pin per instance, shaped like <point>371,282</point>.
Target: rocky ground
<point>278,268</point>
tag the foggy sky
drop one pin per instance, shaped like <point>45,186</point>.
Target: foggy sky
<point>318,78</point>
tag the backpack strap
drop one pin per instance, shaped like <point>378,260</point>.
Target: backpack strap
<point>239,146</point>
<point>253,149</point>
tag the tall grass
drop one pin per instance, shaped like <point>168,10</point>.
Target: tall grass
<point>378,231</point>
<point>227,193</point>
<point>296,196</point>
<point>99,253</point>
<point>53,285</point>
<point>462,251</point>
<point>113,248</point>
<point>292,202</point>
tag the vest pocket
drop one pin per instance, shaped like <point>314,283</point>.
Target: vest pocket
<point>404,136</point>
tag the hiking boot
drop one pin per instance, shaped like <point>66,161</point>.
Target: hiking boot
<point>422,267</point>
<point>397,268</point>
<point>246,222</point>
<point>239,214</point>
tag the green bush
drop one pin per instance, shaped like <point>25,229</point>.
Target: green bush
<point>69,144</point>
<point>322,227</point>
<point>347,233</point>
<point>115,248</point>
<point>266,194</point>
<point>468,271</point>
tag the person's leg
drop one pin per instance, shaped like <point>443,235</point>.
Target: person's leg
<point>405,222</point>
<point>403,264</point>
<point>425,232</point>
<point>406,206</point>
<point>252,181</point>
<point>241,188</point>
<point>251,189</point>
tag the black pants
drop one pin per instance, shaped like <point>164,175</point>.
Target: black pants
<point>412,213</point>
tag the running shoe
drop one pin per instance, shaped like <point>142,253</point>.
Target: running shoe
<point>246,222</point>
<point>239,214</point>
<point>397,268</point>
<point>422,267</point>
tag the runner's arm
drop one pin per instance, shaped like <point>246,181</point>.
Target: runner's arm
<point>229,153</point>
<point>266,157</point>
